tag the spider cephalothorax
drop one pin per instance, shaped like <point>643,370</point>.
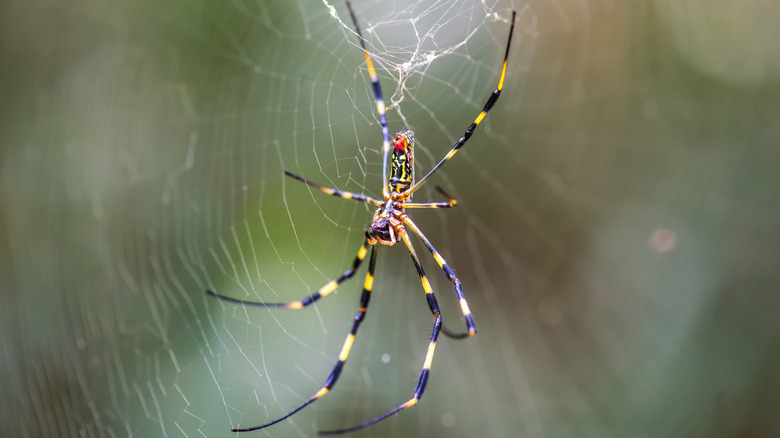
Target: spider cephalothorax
<point>389,226</point>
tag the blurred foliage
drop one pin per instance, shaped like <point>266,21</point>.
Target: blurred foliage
<point>616,232</point>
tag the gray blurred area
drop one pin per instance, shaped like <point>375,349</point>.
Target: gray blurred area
<point>616,232</point>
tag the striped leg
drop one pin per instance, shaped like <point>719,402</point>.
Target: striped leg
<point>336,192</point>
<point>464,306</point>
<point>449,204</point>
<point>323,291</point>
<point>470,130</point>
<point>380,103</point>
<point>423,379</point>
<point>334,374</point>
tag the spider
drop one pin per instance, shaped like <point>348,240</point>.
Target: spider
<point>389,226</point>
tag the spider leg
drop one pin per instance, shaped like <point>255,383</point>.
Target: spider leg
<point>449,204</point>
<point>464,306</point>
<point>380,103</point>
<point>423,379</point>
<point>321,292</point>
<point>336,192</point>
<point>334,374</point>
<point>470,130</point>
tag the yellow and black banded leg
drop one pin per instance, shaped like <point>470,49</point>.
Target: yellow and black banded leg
<point>321,292</point>
<point>470,130</point>
<point>380,103</point>
<point>471,327</point>
<point>336,192</point>
<point>336,372</point>
<point>449,204</point>
<point>426,369</point>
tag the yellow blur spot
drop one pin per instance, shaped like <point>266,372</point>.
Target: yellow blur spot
<point>411,402</point>
<point>429,356</point>
<point>370,65</point>
<point>320,393</point>
<point>380,107</point>
<point>362,253</point>
<point>438,258</point>
<point>328,288</point>
<point>501,81</point>
<point>369,282</point>
<point>426,285</point>
<point>480,117</point>
<point>464,307</point>
<point>347,346</point>
<point>295,305</point>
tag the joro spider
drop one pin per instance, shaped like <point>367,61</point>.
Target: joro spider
<point>388,226</point>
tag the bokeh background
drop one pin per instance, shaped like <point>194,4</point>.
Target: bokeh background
<point>616,233</point>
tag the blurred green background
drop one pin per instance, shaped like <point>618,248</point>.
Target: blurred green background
<point>616,233</point>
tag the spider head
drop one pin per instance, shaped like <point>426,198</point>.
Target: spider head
<point>385,229</point>
<point>382,232</point>
<point>403,142</point>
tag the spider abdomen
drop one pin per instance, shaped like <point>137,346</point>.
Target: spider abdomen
<point>402,162</point>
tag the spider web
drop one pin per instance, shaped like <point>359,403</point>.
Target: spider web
<point>614,232</point>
